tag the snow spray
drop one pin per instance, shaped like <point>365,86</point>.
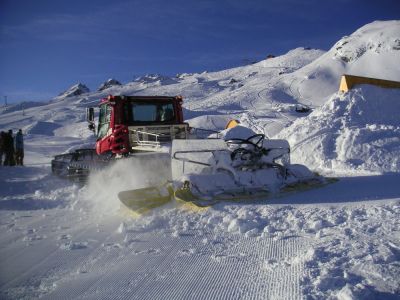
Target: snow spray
<point>126,174</point>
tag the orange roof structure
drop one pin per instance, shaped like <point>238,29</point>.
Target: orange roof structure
<point>349,81</point>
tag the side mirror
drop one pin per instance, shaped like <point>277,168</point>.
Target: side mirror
<point>90,114</point>
<point>90,118</point>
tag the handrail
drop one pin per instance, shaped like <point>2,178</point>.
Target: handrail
<point>141,142</point>
<point>157,138</point>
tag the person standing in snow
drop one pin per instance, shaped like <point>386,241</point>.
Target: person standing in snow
<point>9,149</point>
<point>2,135</point>
<point>19,148</point>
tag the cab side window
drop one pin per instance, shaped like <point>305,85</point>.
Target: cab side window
<point>104,120</point>
<point>167,113</point>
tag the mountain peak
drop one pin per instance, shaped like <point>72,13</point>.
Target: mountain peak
<point>75,90</point>
<point>155,79</point>
<point>109,83</point>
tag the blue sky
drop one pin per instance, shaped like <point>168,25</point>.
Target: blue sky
<point>48,45</point>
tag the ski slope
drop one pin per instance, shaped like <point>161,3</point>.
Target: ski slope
<point>60,243</point>
<point>341,241</point>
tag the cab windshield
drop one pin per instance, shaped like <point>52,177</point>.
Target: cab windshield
<point>151,112</point>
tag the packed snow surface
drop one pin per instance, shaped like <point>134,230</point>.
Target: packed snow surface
<point>62,241</point>
<point>340,241</point>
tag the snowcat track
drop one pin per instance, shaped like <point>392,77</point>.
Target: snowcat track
<point>76,166</point>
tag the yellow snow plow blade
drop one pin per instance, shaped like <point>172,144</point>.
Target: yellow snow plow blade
<point>185,195</point>
<point>142,200</point>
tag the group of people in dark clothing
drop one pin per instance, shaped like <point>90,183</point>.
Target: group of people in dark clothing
<point>12,148</point>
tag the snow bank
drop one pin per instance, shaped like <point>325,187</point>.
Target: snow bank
<point>353,265</point>
<point>354,132</point>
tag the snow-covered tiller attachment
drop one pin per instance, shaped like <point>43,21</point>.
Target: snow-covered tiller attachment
<point>240,167</point>
<point>234,169</point>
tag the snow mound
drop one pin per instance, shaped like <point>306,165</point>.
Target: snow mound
<point>75,90</point>
<point>109,83</point>
<point>209,122</point>
<point>237,132</point>
<point>355,132</point>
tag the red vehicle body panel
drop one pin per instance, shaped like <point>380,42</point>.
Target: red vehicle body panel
<point>117,138</point>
